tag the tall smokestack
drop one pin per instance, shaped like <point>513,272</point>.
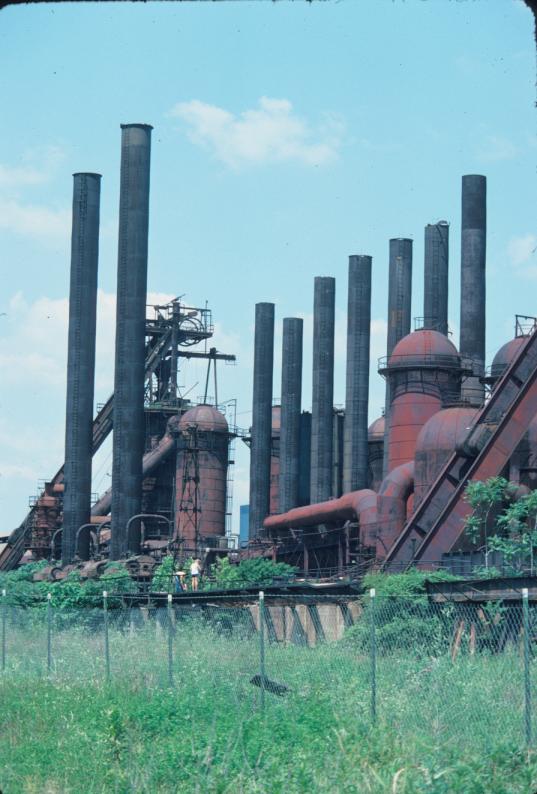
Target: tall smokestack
<point>81,361</point>
<point>323,388</point>
<point>355,446</point>
<point>260,450</point>
<point>435,293</point>
<point>473,287</point>
<point>290,413</point>
<point>399,311</point>
<point>128,447</point>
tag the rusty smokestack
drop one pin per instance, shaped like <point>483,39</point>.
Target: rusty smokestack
<point>355,445</point>
<point>291,403</point>
<point>260,450</point>
<point>323,388</point>
<point>129,426</point>
<point>435,292</point>
<point>399,311</point>
<point>473,283</point>
<point>81,360</point>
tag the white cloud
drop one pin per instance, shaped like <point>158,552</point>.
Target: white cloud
<point>520,249</point>
<point>522,253</point>
<point>32,220</point>
<point>269,133</point>
<point>494,148</point>
<point>50,225</point>
<point>37,166</point>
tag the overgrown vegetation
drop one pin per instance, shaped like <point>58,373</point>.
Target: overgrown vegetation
<point>502,521</point>
<point>442,728</point>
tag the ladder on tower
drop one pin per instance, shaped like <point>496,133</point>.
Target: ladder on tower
<point>498,428</point>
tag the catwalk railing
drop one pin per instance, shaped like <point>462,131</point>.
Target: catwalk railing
<point>453,674</point>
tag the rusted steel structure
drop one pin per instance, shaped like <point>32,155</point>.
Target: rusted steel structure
<point>322,441</point>
<point>261,434</point>
<point>149,413</point>
<point>81,360</point>
<point>275,459</point>
<point>130,332</point>
<point>399,312</point>
<point>435,281</point>
<point>424,372</point>
<point>498,428</point>
<point>355,444</point>
<point>291,403</point>
<point>201,478</point>
<point>473,282</point>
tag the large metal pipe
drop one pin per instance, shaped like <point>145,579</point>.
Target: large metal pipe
<point>473,284</point>
<point>260,450</point>
<point>81,360</point>
<point>291,401</point>
<point>357,505</point>
<point>355,446</point>
<point>129,427</point>
<point>323,388</point>
<point>435,292</point>
<point>399,312</point>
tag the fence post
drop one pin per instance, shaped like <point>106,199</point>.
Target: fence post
<point>373,650</point>
<point>106,640</point>
<point>49,632</point>
<point>4,623</point>
<point>170,641</point>
<point>262,646</point>
<point>527,681</point>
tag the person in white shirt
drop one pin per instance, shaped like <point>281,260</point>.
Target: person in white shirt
<point>195,571</point>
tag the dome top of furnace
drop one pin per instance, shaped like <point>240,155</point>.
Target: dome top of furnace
<point>206,417</point>
<point>375,431</point>
<point>505,356</point>
<point>424,347</point>
<point>445,429</point>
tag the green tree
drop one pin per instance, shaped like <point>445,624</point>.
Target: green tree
<point>485,498</point>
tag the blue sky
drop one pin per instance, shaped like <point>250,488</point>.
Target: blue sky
<point>287,136</point>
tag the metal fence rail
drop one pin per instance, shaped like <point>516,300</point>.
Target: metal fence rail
<point>454,672</point>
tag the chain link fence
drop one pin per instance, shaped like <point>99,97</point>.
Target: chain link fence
<point>456,673</point>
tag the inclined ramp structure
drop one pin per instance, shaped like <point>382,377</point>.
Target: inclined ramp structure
<point>439,521</point>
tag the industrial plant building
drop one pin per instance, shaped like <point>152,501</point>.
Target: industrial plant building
<point>329,492</point>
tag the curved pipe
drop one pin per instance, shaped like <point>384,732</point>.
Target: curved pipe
<point>82,546</point>
<point>354,506</point>
<point>394,491</point>
<point>53,541</point>
<point>135,537</point>
<point>150,461</point>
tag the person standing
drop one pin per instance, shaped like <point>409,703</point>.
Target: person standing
<point>195,572</point>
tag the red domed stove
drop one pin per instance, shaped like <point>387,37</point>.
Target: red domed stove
<point>425,374</point>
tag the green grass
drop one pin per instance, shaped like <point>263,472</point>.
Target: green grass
<point>442,727</point>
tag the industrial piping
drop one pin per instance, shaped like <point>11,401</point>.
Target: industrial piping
<point>150,461</point>
<point>355,441</point>
<point>291,403</point>
<point>356,506</point>
<point>435,286</point>
<point>81,361</point>
<point>128,443</point>
<point>399,312</point>
<point>473,286</point>
<point>261,417</point>
<point>322,388</point>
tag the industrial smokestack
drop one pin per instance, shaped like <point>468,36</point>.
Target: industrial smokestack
<point>128,447</point>
<point>473,287</point>
<point>260,450</point>
<point>323,389</point>
<point>435,293</point>
<point>355,446</point>
<point>290,413</point>
<point>81,361</point>
<point>399,311</point>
